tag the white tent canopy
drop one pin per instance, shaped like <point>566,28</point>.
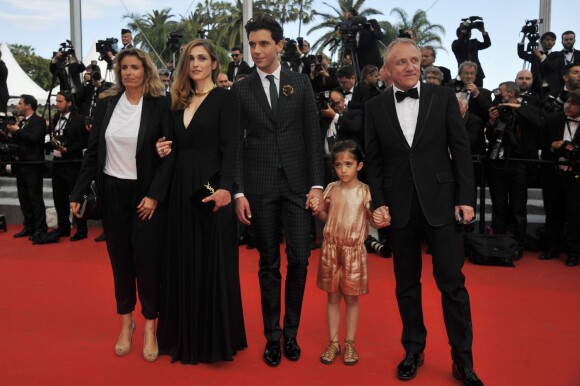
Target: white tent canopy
<point>18,81</point>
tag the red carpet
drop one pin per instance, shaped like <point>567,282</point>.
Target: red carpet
<point>59,325</point>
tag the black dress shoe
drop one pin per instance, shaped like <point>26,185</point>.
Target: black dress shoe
<point>407,369</point>
<point>291,349</point>
<point>63,232</point>
<point>100,237</point>
<point>23,233</point>
<point>572,260</point>
<point>78,236</point>
<point>549,254</point>
<point>272,354</point>
<point>466,375</point>
<point>518,253</point>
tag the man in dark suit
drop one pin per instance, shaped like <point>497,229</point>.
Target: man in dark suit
<point>419,167</point>
<point>126,39</point>
<point>237,65</point>
<point>557,61</point>
<point>535,58</point>
<point>4,95</point>
<point>69,138</point>
<point>279,172</point>
<point>67,68</point>
<point>428,55</point>
<point>467,49</point>
<point>479,98</point>
<point>30,139</point>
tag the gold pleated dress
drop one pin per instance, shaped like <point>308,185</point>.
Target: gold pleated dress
<point>343,258</point>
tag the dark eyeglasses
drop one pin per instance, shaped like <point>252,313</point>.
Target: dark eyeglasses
<point>235,55</point>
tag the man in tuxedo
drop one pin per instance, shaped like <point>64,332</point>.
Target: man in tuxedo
<point>557,61</point>
<point>419,168</point>
<point>524,81</point>
<point>126,39</point>
<point>479,98</point>
<point>346,80</point>
<point>4,95</point>
<point>67,68</point>
<point>555,100</point>
<point>29,136</point>
<point>69,138</point>
<point>547,41</point>
<point>237,65</point>
<point>279,172</point>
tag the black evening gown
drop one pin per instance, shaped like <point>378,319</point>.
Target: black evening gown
<point>201,318</point>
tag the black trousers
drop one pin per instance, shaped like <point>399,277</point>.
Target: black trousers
<point>64,177</point>
<point>446,245</point>
<point>277,209</point>
<point>134,246</point>
<point>29,185</point>
<point>561,194</point>
<point>509,198</point>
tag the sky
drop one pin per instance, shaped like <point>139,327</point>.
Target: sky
<point>44,24</point>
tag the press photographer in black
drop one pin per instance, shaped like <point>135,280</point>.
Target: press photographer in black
<point>29,136</point>
<point>67,68</point>
<point>512,133</point>
<point>557,61</point>
<point>322,76</point>
<point>479,98</point>
<point>360,35</point>
<point>535,54</point>
<point>555,100</point>
<point>68,139</point>
<point>467,49</point>
<point>561,183</point>
<point>93,86</point>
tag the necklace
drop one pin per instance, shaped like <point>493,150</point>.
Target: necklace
<point>195,93</point>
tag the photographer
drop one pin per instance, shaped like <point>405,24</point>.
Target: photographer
<point>93,87</point>
<point>29,136</point>
<point>467,49</point>
<point>322,76</point>
<point>359,38</point>
<point>535,58</point>
<point>305,58</point>
<point>366,89</point>
<point>67,68</point>
<point>557,61</point>
<point>554,102</point>
<point>524,81</point>
<point>479,98</point>
<point>561,183</point>
<point>428,55</point>
<point>68,140</point>
<point>4,95</point>
<point>347,81</point>
<point>511,132</point>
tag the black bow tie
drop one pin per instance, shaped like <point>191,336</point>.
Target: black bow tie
<point>345,93</point>
<point>412,93</point>
<point>567,51</point>
<point>236,65</point>
<point>573,120</point>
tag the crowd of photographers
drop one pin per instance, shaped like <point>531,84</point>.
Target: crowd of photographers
<point>524,130</point>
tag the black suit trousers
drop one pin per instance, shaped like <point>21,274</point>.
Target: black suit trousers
<point>446,247</point>
<point>134,246</point>
<point>64,176</point>
<point>29,185</point>
<point>278,209</point>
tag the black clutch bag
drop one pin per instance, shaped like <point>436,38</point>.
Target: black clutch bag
<point>204,191</point>
<point>92,206</point>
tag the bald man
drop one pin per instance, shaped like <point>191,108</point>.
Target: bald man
<point>524,80</point>
<point>223,81</point>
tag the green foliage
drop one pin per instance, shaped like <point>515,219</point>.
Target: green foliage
<point>36,67</point>
<point>427,33</point>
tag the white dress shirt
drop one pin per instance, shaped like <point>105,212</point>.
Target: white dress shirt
<point>407,112</point>
<point>266,82</point>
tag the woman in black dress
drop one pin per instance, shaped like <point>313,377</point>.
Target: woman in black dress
<point>133,183</point>
<point>201,317</point>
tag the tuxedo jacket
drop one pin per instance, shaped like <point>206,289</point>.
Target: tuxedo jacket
<point>153,172</point>
<point>74,74</point>
<point>75,135</point>
<point>30,139</point>
<point>437,164</point>
<point>289,139</point>
<point>553,130</point>
<point>243,69</point>
<point>4,95</point>
<point>535,67</point>
<point>553,67</point>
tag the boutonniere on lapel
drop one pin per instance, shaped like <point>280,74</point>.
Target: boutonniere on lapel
<point>287,90</point>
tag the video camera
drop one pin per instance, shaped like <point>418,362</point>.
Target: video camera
<point>570,150</point>
<point>173,41</point>
<point>530,31</point>
<point>471,22</point>
<point>349,28</point>
<point>6,120</point>
<point>104,46</point>
<point>404,34</point>
<point>7,145</point>
<point>555,104</point>
<point>323,100</point>
<point>67,49</point>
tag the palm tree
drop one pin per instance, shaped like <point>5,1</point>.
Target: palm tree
<point>330,21</point>
<point>427,33</point>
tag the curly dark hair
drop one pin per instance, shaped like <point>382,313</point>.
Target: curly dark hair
<point>265,22</point>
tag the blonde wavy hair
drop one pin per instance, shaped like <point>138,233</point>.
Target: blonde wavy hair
<point>183,87</point>
<point>152,86</point>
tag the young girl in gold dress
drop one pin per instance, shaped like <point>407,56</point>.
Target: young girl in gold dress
<point>342,270</point>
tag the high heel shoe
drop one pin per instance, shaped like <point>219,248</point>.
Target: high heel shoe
<point>123,349</point>
<point>150,355</point>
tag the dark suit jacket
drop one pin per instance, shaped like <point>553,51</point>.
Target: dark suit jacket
<point>30,139</point>
<point>243,69</point>
<point>351,126</point>
<point>368,48</point>
<point>74,73</point>
<point>535,67</point>
<point>153,172</point>
<point>438,164</point>
<point>75,135</point>
<point>480,106</point>
<point>553,130</point>
<point>470,51</point>
<point>291,138</point>
<point>553,67</point>
<point>4,95</point>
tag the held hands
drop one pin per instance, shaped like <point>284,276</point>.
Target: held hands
<point>146,208</point>
<point>163,147</point>
<point>382,217</point>
<point>313,198</point>
<point>243,210</point>
<point>221,198</point>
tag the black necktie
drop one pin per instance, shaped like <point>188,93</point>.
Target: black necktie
<point>273,93</point>
<point>412,93</point>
